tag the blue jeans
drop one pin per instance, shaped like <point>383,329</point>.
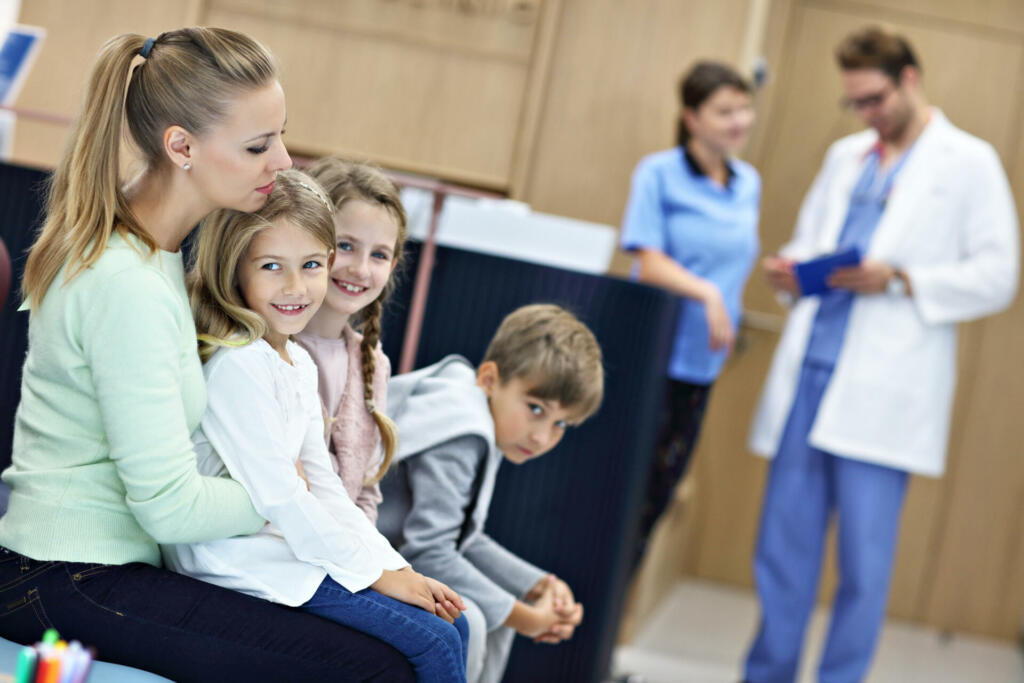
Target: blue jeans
<point>436,649</point>
<point>186,630</point>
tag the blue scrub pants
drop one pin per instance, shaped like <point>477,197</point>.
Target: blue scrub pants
<point>805,486</point>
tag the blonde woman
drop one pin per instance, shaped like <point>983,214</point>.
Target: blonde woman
<point>103,466</point>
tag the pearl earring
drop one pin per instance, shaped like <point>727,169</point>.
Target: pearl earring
<point>187,166</point>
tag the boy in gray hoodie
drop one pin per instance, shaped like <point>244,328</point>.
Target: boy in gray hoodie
<point>541,374</point>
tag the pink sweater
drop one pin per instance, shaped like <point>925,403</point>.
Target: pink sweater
<point>352,436</point>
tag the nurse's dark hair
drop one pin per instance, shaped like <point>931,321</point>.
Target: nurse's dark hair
<point>873,47</point>
<point>700,83</point>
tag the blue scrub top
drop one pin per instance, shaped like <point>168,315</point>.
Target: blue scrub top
<point>708,229</point>
<point>867,205</point>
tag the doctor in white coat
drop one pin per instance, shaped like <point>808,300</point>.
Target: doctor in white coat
<point>861,386</point>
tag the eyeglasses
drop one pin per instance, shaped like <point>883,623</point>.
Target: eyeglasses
<point>866,102</point>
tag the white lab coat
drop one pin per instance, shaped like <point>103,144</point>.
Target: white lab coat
<point>951,225</point>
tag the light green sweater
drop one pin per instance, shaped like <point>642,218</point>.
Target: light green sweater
<point>103,468</point>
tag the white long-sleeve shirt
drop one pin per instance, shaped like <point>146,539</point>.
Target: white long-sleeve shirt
<point>262,414</point>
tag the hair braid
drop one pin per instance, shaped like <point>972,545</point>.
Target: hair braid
<point>370,329</point>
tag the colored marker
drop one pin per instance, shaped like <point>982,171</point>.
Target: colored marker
<point>71,662</point>
<point>46,662</point>
<point>85,659</point>
<point>26,665</point>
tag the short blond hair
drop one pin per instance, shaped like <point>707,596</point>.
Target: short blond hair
<point>548,346</point>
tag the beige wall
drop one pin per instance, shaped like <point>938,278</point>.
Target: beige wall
<point>75,32</point>
<point>553,102</point>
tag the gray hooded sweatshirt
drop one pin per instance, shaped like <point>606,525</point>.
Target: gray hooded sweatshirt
<point>437,493</point>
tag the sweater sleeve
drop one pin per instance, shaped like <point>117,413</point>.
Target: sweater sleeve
<point>131,340</point>
<point>321,525</point>
<point>441,480</point>
<point>501,565</point>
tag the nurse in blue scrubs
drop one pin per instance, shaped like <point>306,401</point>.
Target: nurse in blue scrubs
<point>692,221</point>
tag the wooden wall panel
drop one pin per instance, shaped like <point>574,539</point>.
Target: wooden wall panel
<point>611,96</point>
<point>418,87</point>
<point>730,480</point>
<point>499,32</point>
<point>75,33</point>
<point>976,584</point>
<point>430,86</point>
<point>978,577</point>
<point>1002,15</point>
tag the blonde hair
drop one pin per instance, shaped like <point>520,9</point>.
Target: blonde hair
<point>548,346</point>
<point>221,315</point>
<point>189,79</point>
<point>345,181</point>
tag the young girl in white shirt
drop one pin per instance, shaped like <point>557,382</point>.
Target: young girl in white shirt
<point>257,279</point>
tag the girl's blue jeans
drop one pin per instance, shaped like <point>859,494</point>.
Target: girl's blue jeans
<point>436,649</point>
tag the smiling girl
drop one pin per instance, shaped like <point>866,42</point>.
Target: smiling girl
<point>370,230</point>
<point>258,278</point>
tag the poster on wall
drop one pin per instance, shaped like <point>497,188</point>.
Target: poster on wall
<point>17,52</point>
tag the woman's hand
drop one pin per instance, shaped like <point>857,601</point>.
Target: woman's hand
<point>721,334</point>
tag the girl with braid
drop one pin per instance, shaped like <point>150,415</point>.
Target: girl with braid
<point>257,279</point>
<point>370,229</point>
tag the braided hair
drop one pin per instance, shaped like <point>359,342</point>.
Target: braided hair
<point>345,181</point>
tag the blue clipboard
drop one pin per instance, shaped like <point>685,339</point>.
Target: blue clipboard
<point>812,275</point>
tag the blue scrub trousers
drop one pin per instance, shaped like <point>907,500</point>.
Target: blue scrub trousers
<point>805,486</point>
